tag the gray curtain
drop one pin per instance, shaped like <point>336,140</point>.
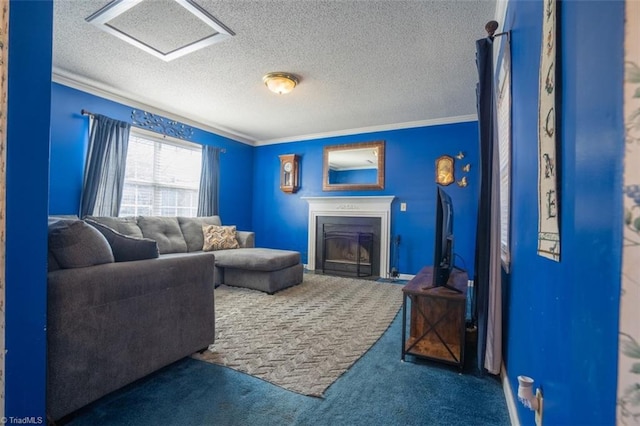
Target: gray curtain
<point>487,280</point>
<point>105,167</point>
<point>209,181</point>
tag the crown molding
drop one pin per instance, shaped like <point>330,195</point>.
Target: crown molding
<point>372,129</point>
<point>98,89</point>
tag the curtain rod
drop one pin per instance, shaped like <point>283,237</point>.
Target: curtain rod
<point>91,114</point>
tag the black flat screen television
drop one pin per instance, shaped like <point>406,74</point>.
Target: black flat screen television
<point>443,249</point>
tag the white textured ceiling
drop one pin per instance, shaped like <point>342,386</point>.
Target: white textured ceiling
<point>363,65</point>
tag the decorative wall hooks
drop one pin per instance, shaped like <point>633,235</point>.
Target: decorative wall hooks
<point>159,124</point>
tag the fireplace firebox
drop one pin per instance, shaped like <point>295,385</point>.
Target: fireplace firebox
<point>348,246</point>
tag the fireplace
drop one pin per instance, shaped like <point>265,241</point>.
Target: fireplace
<point>357,230</point>
<point>348,245</point>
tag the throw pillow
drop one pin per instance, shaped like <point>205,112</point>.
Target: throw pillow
<point>192,230</point>
<point>124,225</point>
<point>219,237</point>
<point>74,244</point>
<point>126,248</point>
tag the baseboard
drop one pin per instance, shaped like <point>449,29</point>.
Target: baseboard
<point>405,276</point>
<point>508,396</point>
<point>400,276</point>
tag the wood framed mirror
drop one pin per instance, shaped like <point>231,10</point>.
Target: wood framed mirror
<point>353,167</point>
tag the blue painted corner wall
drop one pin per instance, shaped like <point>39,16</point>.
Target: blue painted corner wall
<point>27,174</point>
<point>69,141</point>
<point>561,319</point>
<point>281,220</point>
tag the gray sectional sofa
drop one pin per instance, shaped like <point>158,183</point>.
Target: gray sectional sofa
<point>263,269</point>
<point>127,296</point>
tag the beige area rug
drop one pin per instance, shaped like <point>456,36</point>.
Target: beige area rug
<point>305,337</point>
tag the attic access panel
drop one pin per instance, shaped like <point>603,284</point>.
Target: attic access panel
<point>165,29</point>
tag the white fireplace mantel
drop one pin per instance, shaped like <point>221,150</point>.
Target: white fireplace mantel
<point>364,206</point>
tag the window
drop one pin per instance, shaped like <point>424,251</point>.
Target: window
<point>504,145</point>
<point>162,177</point>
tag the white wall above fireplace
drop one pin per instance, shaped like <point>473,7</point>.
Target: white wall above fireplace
<point>365,206</point>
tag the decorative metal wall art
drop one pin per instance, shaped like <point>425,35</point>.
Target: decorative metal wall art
<point>548,203</point>
<point>159,124</point>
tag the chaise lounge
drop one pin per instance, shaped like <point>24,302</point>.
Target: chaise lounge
<point>244,265</point>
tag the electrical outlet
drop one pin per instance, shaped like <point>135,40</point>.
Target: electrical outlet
<point>539,410</point>
<point>403,207</point>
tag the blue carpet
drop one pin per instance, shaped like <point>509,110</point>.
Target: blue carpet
<point>378,390</point>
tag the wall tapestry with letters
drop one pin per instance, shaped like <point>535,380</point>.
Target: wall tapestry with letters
<point>548,211</point>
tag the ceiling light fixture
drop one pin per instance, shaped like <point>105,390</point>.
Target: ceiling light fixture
<point>280,82</point>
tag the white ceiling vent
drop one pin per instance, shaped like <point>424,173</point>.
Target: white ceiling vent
<point>167,29</point>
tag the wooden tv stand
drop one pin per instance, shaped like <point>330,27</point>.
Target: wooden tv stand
<point>437,324</point>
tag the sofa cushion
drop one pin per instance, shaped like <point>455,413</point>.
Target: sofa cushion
<point>219,237</point>
<point>192,230</point>
<point>257,259</point>
<point>124,225</point>
<point>165,230</point>
<point>124,247</point>
<point>75,244</point>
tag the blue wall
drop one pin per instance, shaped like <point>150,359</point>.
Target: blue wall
<point>30,30</point>
<point>562,318</point>
<point>69,139</point>
<point>280,220</point>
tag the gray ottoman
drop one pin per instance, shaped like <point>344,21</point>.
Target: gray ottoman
<point>263,269</point>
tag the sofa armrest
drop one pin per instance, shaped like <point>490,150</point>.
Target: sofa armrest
<point>79,289</point>
<point>246,239</point>
<point>111,324</point>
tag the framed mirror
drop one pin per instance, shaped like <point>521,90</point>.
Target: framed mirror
<point>355,166</point>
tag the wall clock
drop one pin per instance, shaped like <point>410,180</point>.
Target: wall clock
<point>289,173</point>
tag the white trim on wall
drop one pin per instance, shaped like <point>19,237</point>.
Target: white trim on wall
<point>103,91</point>
<point>371,129</point>
<point>508,396</point>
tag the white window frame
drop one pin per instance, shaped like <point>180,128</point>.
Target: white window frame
<point>157,186</point>
<point>503,113</point>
